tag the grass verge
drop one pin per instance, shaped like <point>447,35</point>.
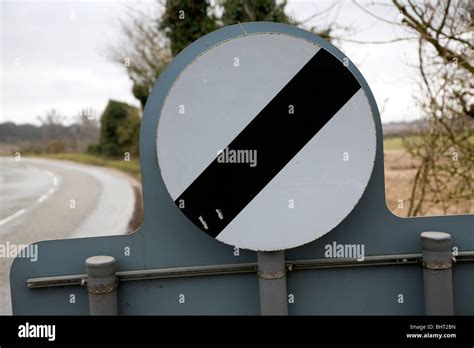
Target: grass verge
<point>131,167</point>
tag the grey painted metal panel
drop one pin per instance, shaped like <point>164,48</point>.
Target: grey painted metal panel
<point>365,290</point>
<point>166,239</point>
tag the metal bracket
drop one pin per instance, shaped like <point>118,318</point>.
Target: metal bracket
<point>438,264</point>
<point>102,288</point>
<point>271,275</point>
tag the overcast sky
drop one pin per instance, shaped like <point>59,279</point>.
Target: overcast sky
<point>53,55</point>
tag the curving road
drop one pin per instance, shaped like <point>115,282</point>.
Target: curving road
<point>45,199</point>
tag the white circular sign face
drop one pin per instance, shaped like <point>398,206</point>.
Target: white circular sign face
<point>266,141</point>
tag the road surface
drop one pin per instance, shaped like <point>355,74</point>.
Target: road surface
<point>46,199</point>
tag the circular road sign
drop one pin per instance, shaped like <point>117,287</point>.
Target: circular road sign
<point>266,140</point>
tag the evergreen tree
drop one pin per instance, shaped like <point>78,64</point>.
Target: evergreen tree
<point>119,129</point>
<point>185,21</point>
<point>254,10</point>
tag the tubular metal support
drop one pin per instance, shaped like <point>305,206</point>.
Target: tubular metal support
<point>102,285</point>
<point>272,283</point>
<point>437,274</point>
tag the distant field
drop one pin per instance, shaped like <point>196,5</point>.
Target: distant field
<point>400,170</point>
<point>395,143</point>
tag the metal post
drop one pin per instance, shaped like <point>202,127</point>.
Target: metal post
<point>437,275</point>
<point>102,285</point>
<point>272,283</point>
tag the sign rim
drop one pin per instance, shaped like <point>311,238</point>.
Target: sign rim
<point>201,46</point>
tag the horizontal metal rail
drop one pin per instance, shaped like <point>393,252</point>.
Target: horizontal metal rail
<point>212,270</point>
<point>147,274</point>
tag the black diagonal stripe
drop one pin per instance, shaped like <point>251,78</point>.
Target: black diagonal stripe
<point>317,92</point>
